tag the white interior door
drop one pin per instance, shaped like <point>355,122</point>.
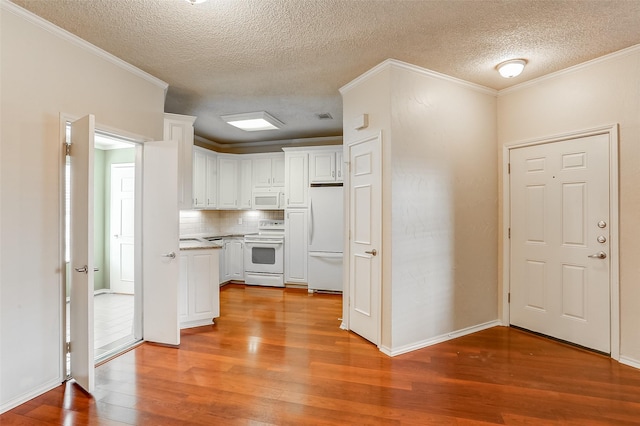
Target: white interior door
<point>122,228</point>
<point>560,240</point>
<point>365,224</point>
<point>81,253</point>
<point>160,242</point>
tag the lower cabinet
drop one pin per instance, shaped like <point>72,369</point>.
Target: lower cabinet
<point>295,247</point>
<point>199,292</point>
<point>232,260</point>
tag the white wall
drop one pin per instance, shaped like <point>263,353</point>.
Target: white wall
<point>602,92</point>
<point>440,203</point>
<point>44,74</point>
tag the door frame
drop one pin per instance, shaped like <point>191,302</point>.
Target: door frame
<point>138,142</point>
<point>346,267</point>
<point>614,272</point>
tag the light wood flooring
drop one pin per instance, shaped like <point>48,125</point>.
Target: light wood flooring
<point>277,357</point>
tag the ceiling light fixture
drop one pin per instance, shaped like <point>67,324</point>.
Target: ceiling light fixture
<point>511,68</point>
<point>195,1</point>
<point>253,121</point>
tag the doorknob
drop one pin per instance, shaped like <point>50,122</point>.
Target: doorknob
<point>172,255</point>
<point>372,252</point>
<point>83,269</point>
<point>599,255</point>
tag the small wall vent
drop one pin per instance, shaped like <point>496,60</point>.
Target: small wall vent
<point>324,116</point>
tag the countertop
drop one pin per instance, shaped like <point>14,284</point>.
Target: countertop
<point>201,241</point>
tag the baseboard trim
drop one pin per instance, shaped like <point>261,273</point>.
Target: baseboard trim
<point>30,395</point>
<point>630,362</point>
<point>439,339</point>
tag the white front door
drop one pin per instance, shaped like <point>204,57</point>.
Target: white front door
<point>81,253</point>
<point>365,225</point>
<point>160,242</point>
<point>122,228</point>
<point>560,232</point>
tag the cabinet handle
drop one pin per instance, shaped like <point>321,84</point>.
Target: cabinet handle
<point>333,174</point>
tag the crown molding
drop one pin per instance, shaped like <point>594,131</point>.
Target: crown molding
<point>7,6</point>
<point>327,140</point>
<point>606,58</point>
<point>394,63</point>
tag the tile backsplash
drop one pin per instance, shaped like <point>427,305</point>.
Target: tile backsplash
<point>224,222</point>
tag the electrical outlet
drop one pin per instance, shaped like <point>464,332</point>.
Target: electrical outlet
<point>239,221</point>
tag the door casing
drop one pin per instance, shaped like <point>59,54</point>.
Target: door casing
<point>612,132</point>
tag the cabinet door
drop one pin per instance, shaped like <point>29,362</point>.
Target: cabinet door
<point>180,128</point>
<point>277,170</point>
<point>322,167</point>
<point>296,179</point>
<point>262,172</point>
<point>237,262</point>
<point>244,195</point>
<point>212,182</point>
<point>295,248</point>
<point>339,166</point>
<point>202,283</point>
<point>199,178</point>
<point>227,183</point>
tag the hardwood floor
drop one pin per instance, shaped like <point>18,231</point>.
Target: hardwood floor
<point>278,357</point>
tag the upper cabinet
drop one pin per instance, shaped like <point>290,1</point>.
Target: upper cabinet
<point>180,128</point>
<point>228,182</point>
<point>268,171</point>
<point>205,178</point>
<point>325,166</point>
<point>296,178</point>
<point>244,183</point>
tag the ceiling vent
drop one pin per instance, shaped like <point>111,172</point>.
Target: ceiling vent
<point>324,116</point>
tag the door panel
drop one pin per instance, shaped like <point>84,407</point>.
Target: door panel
<point>365,219</point>
<point>559,194</point>
<point>160,245</point>
<point>82,262</point>
<point>122,271</point>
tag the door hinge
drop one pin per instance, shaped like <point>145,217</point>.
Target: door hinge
<point>508,168</point>
<point>67,149</point>
<point>509,233</point>
<point>508,297</point>
<point>68,347</point>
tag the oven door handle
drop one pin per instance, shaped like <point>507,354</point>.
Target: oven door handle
<point>279,243</point>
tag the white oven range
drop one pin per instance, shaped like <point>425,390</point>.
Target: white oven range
<point>264,255</point>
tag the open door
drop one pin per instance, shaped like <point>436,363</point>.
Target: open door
<point>160,242</point>
<point>365,224</point>
<point>81,253</point>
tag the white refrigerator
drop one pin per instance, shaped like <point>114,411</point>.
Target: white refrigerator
<point>326,236</point>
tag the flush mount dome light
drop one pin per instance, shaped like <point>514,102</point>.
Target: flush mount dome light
<point>195,1</point>
<point>512,68</point>
<point>253,121</point>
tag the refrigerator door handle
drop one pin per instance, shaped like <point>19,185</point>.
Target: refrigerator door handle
<point>310,221</point>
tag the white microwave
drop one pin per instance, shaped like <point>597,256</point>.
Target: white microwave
<point>268,200</point>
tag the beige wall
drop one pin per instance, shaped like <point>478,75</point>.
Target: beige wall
<point>603,92</point>
<point>43,75</point>
<point>439,248</point>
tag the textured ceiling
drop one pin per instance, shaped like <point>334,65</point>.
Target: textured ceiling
<point>290,57</point>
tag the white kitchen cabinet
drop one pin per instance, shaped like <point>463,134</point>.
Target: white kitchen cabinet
<point>205,175</point>
<point>199,178</point>
<point>340,166</point>
<point>325,166</point>
<point>180,128</point>
<point>296,187</point>
<point>199,294</point>
<point>227,182</point>
<point>234,259</point>
<point>211,181</point>
<point>268,171</point>
<point>295,248</point>
<point>244,183</point>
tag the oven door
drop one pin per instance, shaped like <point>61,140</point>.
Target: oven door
<point>264,256</point>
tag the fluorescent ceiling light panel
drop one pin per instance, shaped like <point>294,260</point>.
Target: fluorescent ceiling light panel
<point>253,121</point>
